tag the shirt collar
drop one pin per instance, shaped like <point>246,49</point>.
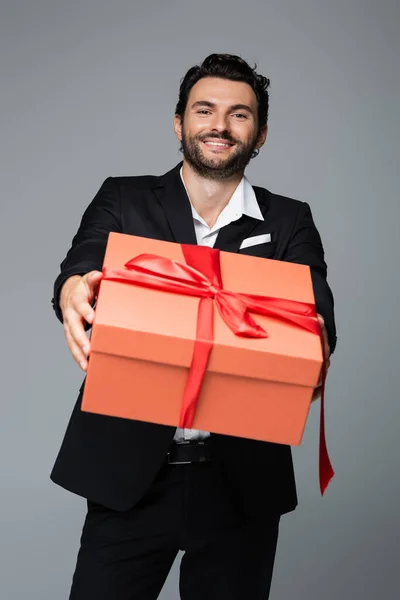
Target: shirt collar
<point>242,202</point>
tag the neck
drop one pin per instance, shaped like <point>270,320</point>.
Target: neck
<point>209,197</point>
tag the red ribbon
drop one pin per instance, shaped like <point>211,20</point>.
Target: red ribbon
<point>201,277</point>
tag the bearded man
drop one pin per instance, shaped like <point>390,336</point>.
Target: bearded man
<point>151,489</point>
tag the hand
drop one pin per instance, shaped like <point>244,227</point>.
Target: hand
<point>318,389</point>
<point>77,295</point>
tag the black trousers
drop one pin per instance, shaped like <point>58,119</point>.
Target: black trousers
<point>228,555</point>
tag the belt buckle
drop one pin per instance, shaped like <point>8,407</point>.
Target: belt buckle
<point>184,443</point>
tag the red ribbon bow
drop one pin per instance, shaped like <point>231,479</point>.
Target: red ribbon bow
<point>201,277</point>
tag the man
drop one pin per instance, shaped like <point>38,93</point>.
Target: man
<point>153,489</point>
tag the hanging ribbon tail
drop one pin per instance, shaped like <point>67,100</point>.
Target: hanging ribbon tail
<point>198,367</point>
<point>326,472</point>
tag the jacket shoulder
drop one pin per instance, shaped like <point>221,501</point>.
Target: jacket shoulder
<point>277,201</point>
<point>136,182</point>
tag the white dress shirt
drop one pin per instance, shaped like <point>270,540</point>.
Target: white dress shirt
<point>242,202</point>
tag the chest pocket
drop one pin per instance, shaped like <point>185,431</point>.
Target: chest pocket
<point>266,250</point>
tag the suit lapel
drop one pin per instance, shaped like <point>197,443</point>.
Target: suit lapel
<point>173,198</point>
<point>231,236</point>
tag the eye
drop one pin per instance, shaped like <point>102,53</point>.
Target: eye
<point>239,115</point>
<point>204,111</point>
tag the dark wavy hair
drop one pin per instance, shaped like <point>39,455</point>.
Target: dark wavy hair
<point>227,66</point>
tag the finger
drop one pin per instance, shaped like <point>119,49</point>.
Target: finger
<point>321,321</point>
<point>84,310</point>
<point>92,281</point>
<point>74,325</point>
<point>325,335</point>
<point>326,344</point>
<point>316,394</point>
<point>76,351</point>
<point>327,365</point>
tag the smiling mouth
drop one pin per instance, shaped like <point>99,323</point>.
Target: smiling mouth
<point>217,144</point>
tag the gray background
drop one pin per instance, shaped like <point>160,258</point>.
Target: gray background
<point>88,90</point>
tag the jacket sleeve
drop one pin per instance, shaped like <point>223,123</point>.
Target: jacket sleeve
<point>89,243</point>
<point>305,247</point>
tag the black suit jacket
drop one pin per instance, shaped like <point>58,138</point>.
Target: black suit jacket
<point>113,461</point>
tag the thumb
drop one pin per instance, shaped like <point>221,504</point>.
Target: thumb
<point>94,277</point>
<point>95,274</point>
<point>93,280</point>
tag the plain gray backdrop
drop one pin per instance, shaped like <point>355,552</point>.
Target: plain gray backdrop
<point>88,90</point>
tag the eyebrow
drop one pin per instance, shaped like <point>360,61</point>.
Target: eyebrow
<point>212,105</point>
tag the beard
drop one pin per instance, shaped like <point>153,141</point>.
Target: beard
<point>217,168</point>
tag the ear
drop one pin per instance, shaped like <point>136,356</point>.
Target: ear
<point>178,127</point>
<point>262,137</point>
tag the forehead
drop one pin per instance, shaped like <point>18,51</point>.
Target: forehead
<point>223,92</point>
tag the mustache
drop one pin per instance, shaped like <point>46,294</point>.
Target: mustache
<point>225,137</point>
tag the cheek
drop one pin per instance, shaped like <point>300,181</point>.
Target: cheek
<point>247,128</point>
<point>202,126</point>
<point>194,126</point>
<point>244,131</point>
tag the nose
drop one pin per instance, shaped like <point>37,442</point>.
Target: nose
<point>219,123</point>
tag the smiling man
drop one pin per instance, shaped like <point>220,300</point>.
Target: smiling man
<point>153,490</point>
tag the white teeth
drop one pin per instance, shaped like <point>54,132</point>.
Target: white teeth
<point>218,144</point>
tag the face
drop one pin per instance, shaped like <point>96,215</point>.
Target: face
<point>220,127</point>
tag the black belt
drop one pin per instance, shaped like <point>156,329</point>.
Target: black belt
<point>184,453</point>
